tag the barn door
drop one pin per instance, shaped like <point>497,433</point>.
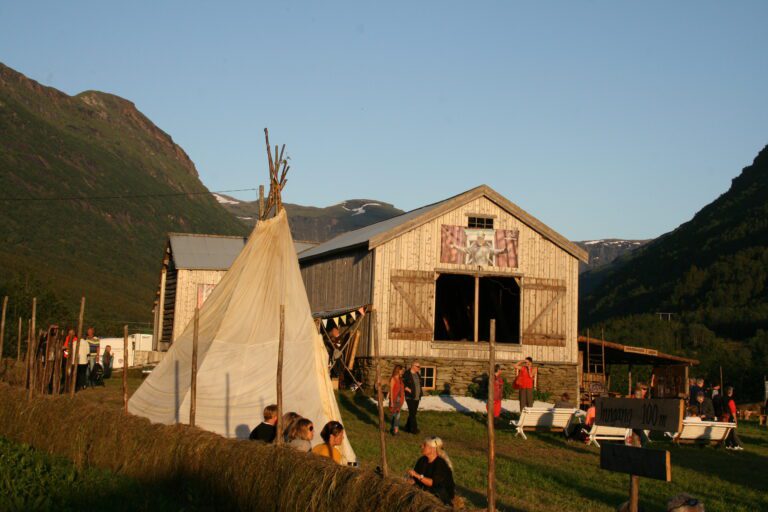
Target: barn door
<point>544,312</point>
<point>411,295</point>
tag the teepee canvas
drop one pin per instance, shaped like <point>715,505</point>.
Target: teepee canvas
<point>238,348</point>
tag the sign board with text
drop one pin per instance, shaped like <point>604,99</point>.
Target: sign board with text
<point>660,414</point>
<point>636,461</point>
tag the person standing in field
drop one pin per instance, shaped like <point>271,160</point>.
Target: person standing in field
<point>81,359</point>
<point>732,442</point>
<point>413,394</point>
<point>497,381</point>
<point>396,398</point>
<point>94,348</point>
<point>107,360</point>
<point>525,381</point>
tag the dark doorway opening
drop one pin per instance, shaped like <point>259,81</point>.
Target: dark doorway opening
<point>454,307</point>
<point>499,298</point>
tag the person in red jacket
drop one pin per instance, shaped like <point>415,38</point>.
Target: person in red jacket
<point>396,398</point>
<point>525,381</point>
<point>498,390</point>
<point>732,442</point>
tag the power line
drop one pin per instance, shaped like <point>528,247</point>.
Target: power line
<point>123,196</point>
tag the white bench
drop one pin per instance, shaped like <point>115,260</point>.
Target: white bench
<point>703,432</point>
<point>557,419</point>
<point>604,433</point>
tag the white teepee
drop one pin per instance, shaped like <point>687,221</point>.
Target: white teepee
<point>238,345</point>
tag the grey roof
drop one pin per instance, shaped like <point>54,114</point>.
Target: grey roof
<point>211,252</point>
<point>303,246</point>
<point>363,235</point>
<point>205,252</point>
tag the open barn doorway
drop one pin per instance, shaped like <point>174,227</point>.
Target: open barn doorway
<point>455,302</point>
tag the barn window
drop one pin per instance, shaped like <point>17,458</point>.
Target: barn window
<point>480,222</point>
<point>428,374</point>
<point>497,297</point>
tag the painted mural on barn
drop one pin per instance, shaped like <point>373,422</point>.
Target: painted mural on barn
<point>485,247</point>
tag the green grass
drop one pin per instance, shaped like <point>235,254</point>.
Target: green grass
<point>546,472</point>
<point>34,481</point>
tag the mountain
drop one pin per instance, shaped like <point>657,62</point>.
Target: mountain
<point>711,274</point>
<point>89,189</point>
<point>603,252</point>
<point>313,224</point>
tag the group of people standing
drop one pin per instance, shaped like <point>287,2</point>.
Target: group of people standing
<point>92,366</point>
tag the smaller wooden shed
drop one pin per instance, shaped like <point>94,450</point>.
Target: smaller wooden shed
<point>193,264</point>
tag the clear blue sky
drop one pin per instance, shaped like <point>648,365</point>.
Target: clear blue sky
<point>603,119</point>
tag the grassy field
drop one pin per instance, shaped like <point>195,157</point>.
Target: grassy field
<point>546,472</point>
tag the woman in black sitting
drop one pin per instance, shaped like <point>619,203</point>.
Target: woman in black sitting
<point>433,471</point>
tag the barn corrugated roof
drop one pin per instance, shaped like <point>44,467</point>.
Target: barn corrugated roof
<point>211,252</point>
<point>205,252</point>
<point>363,235</point>
<point>381,232</point>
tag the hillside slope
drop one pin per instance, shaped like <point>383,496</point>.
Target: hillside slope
<point>313,224</point>
<point>711,274</point>
<point>604,252</point>
<point>106,247</point>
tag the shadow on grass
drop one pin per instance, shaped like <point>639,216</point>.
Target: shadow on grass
<point>361,407</point>
<point>480,500</point>
<point>739,468</point>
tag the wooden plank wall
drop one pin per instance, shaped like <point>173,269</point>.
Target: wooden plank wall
<point>419,250</point>
<point>186,295</point>
<point>340,281</point>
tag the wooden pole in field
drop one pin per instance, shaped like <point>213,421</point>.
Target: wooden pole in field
<point>28,374</point>
<point>2,326</point>
<point>491,433</point>
<point>379,398</point>
<point>634,482</point>
<point>125,368</point>
<point>18,344</point>
<point>74,350</point>
<point>722,388</point>
<point>47,363</point>
<point>55,388</point>
<point>193,384</point>
<point>280,348</point>
<point>32,328</point>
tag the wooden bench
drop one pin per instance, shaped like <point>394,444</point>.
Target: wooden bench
<point>533,418</point>
<point>703,432</point>
<point>603,433</point>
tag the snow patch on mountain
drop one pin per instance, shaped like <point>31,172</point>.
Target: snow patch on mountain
<point>225,200</point>
<point>359,210</point>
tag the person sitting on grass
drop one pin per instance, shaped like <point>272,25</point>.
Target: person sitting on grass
<point>289,419</point>
<point>266,431</point>
<point>433,471</point>
<point>301,435</point>
<point>333,436</point>
<point>684,503</point>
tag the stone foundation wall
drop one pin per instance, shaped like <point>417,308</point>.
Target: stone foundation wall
<point>455,375</point>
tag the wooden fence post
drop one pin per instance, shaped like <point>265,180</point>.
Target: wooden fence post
<point>56,385</point>
<point>491,433</point>
<point>193,384</point>
<point>47,364</point>
<point>280,348</point>
<point>2,326</point>
<point>379,397</point>
<point>32,328</point>
<point>125,368</point>
<point>75,356</point>
<point>28,374</point>
<point>18,344</point>
<point>634,482</point>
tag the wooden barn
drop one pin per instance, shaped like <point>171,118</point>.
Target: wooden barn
<point>436,277</point>
<point>192,266</point>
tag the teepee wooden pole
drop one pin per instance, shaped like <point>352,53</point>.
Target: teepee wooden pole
<point>491,433</point>
<point>2,325</point>
<point>380,398</point>
<point>261,202</point>
<point>193,384</point>
<point>280,348</point>
<point>125,368</point>
<point>75,356</point>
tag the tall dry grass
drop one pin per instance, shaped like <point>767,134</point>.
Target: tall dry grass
<point>244,475</point>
